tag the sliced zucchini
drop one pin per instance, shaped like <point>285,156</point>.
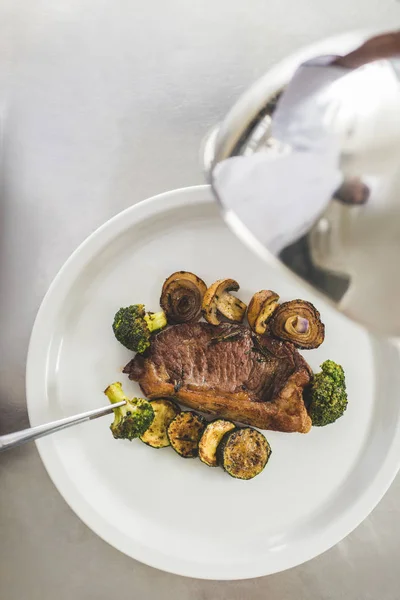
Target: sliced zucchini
<point>184,433</point>
<point>243,453</point>
<point>213,434</point>
<point>164,412</point>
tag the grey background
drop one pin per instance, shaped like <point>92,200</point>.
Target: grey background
<point>104,103</point>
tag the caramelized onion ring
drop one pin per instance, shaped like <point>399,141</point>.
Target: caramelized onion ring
<point>298,322</point>
<point>182,297</point>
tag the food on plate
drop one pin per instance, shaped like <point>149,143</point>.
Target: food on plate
<point>261,308</point>
<point>243,453</point>
<point>328,395</point>
<point>219,301</point>
<point>133,326</point>
<point>132,419</point>
<point>161,423</point>
<point>298,322</point>
<point>184,433</point>
<point>212,436</point>
<point>251,375</point>
<point>182,297</point>
<point>164,412</point>
<point>229,372</point>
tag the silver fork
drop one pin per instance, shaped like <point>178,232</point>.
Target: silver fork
<point>11,440</point>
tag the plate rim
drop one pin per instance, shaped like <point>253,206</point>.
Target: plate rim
<point>344,524</point>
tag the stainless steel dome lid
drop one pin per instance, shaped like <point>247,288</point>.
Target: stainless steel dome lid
<point>306,167</point>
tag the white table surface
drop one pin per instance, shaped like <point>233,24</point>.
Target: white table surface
<point>102,104</point>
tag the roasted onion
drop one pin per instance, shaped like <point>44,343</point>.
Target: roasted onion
<point>182,297</point>
<point>298,322</point>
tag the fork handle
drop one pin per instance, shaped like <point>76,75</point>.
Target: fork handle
<point>11,440</point>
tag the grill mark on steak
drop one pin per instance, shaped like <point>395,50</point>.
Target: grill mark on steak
<point>253,380</point>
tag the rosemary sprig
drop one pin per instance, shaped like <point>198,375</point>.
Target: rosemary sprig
<point>260,350</point>
<point>227,337</point>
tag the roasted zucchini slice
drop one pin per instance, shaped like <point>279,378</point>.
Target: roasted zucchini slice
<point>184,433</point>
<point>164,412</point>
<point>243,453</point>
<point>212,435</point>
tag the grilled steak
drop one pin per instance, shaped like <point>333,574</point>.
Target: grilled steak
<point>227,371</point>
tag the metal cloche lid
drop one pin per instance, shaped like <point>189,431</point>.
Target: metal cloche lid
<point>306,169</point>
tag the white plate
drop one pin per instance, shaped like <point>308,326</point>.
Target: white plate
<point>175,514</point>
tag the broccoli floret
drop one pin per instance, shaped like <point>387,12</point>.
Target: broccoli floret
<point>328,396</point>
<point>333,370</point>
<point>133,327</point>
<point>132,419</point>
